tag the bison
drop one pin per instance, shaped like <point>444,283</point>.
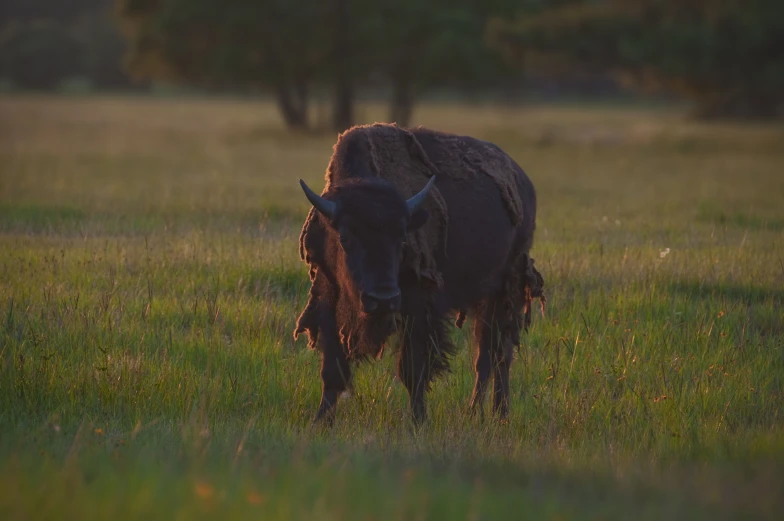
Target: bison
<point>416,226</point>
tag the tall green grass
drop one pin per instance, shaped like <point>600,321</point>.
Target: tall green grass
<point>149,284</point>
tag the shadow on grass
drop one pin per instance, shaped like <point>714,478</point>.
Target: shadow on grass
<point>41,217</point>
<point>710,213</point>
<point>746,295</point>
<point>762,307</point>
<point>33,219</point>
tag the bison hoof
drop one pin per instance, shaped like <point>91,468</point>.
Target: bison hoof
<point>322,424</point>
<point>415,426</point>
<point>324,418</point>
<point>476,411</point>
<point>418,417</point>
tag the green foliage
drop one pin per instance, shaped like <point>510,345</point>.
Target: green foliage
<point>235,42</point>
<point>282,46</point>
<point>45,42</point>
<point>63,12</point>
<point>102,49</point>
<point>440,42</point>
<point>725,55</point>
<point>39,55</point>
<point>291,46</point>
<point>150,281</point>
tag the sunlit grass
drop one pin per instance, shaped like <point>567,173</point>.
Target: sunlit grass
<point>149,284</point>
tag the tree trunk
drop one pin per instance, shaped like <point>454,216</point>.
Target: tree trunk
<point>343,115</point>
<point>404,72</point>
<point>301,97</point>
<point>293,104</point>
<point>402,105</point>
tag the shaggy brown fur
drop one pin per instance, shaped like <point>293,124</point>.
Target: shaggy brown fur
<point>396,155</point>
<point>533,288</point>
<point>474,173</point>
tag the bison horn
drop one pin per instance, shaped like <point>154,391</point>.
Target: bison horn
<point>416,201</point>
<point>321,204</point>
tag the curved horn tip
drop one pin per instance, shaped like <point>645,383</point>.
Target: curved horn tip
<point>429,184</point>
<point>322,205</point>
<point>416,200</point>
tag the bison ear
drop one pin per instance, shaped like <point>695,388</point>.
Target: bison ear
<point>417,220</point>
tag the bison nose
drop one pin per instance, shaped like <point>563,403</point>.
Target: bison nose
<point>386,300</point>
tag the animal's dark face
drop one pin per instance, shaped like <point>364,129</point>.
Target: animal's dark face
<point>371,249</point>
<point>370,221</point>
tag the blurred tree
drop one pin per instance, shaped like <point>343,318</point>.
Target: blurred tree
<point>420,45</point>
<point>40,54</point>
<point>343,61</point>
<point>246,44</point>
<point>43,42</point>
<point>290,46</point>
<point>30,10</point>
<point>102,49</point>
<point>724,54</point>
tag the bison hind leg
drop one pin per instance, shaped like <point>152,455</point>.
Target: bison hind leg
<point>496,333</point>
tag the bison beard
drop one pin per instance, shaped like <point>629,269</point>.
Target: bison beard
<point>374,162</point>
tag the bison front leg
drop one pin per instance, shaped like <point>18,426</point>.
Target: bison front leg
<point>335,374</point>
<point>425,352</point>
<point>413,371</point>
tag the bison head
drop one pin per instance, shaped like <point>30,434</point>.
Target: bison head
<point>369,219</point>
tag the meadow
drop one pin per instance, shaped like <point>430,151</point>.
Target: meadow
<point>150,281</point>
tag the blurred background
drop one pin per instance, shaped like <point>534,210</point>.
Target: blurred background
<point>317,59</point>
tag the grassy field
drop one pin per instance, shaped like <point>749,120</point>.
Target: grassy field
<point>149,284</point>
